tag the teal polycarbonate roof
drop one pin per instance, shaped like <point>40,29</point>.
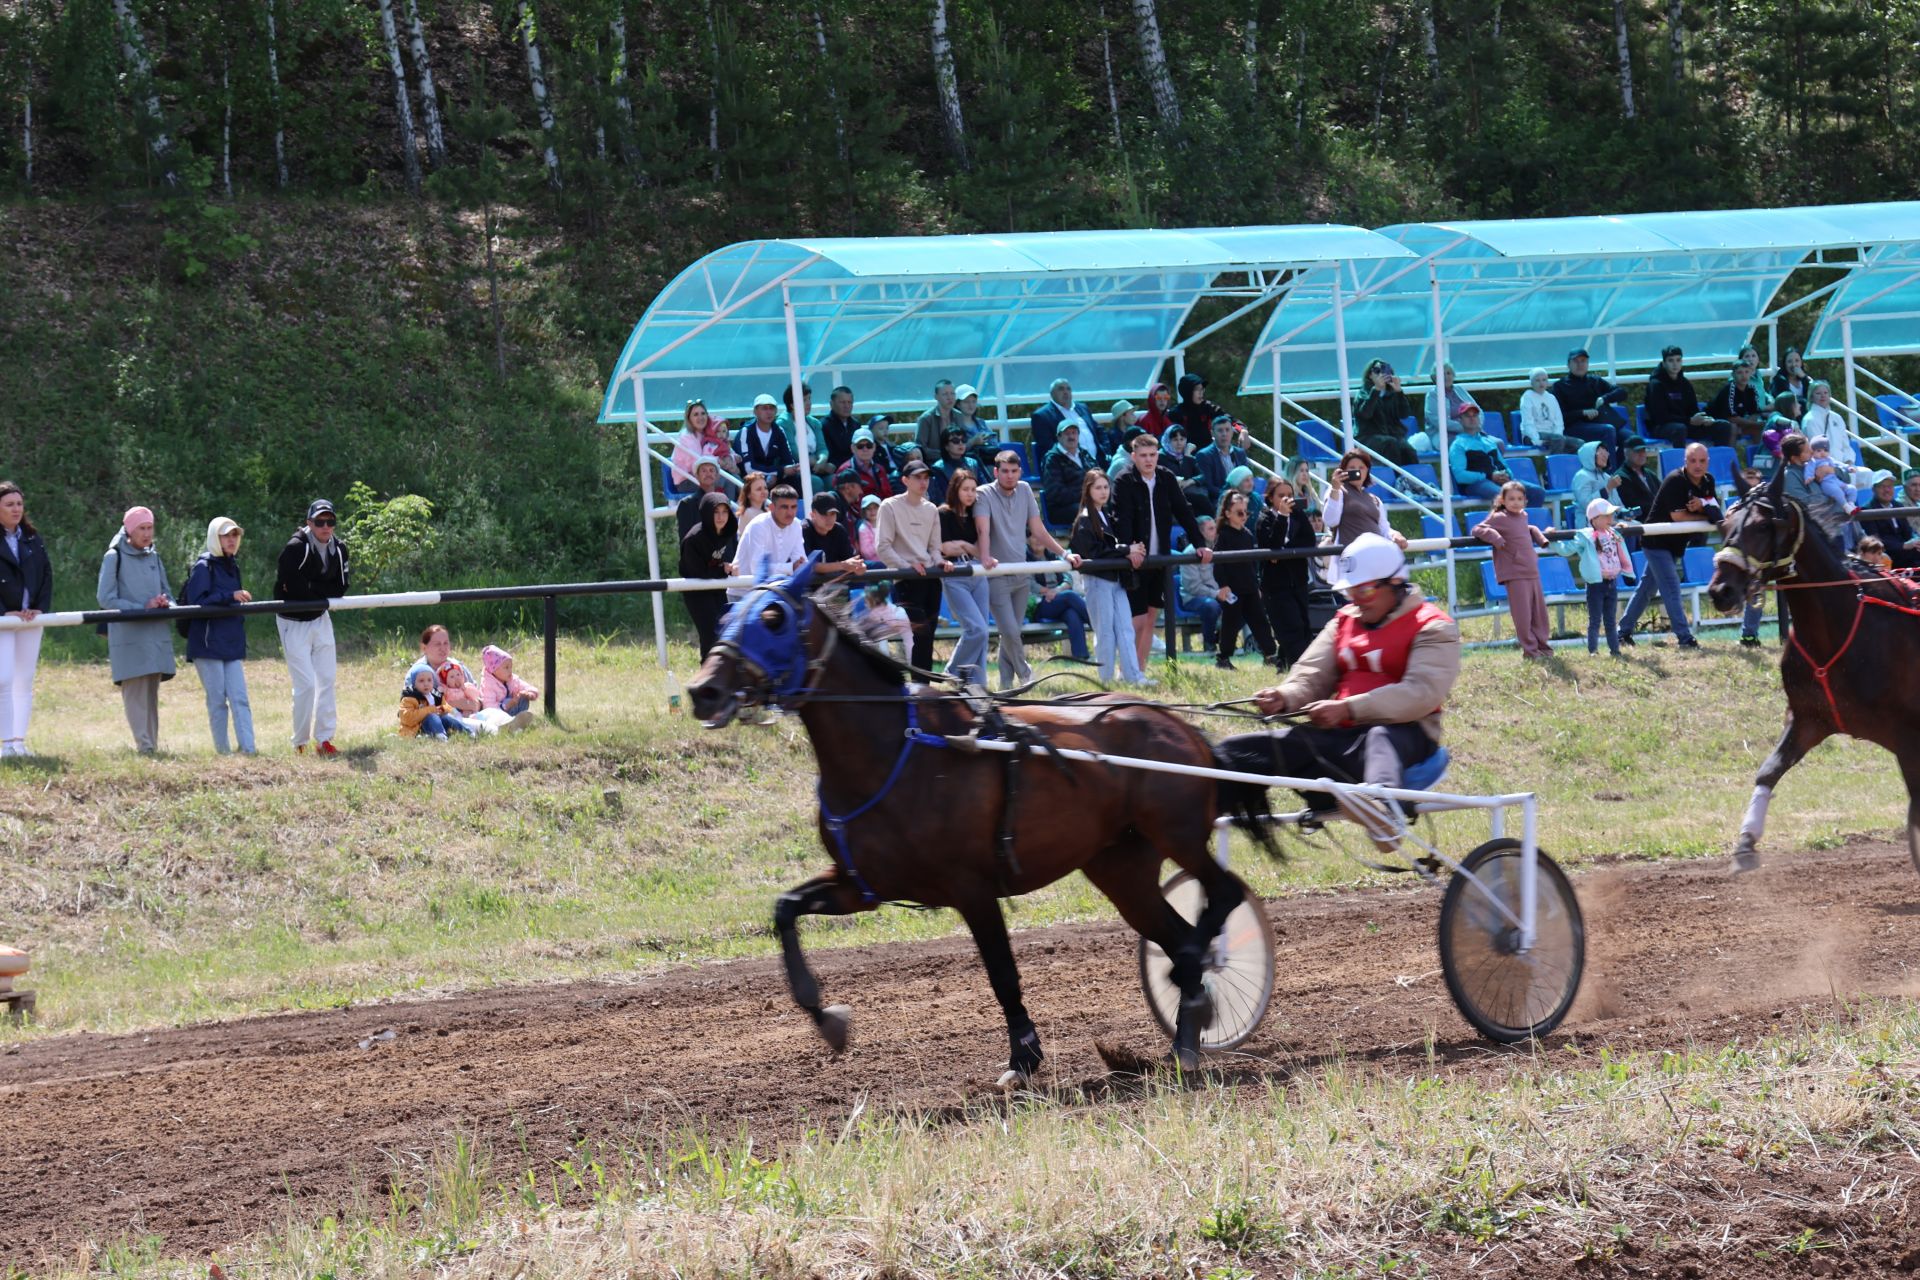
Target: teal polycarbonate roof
<point>1009,314</point>
<point>1515,295</point>
<point>1882,299</point>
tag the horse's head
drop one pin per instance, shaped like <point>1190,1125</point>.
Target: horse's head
<point>764,654</point>
<point>1762,537</point>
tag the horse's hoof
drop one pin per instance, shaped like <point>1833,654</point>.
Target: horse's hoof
<point>1185,1060</point>
<point>1199,1010</point>
<point>835,1024</point>
<point>1745,858</point>
<point>1011,1079</point>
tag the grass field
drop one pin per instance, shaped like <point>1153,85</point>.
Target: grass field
<point>626,838</point>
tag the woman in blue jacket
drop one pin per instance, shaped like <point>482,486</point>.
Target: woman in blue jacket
<point>218,646</point>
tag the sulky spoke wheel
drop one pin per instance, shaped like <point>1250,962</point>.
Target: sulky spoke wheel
<point>1239,974</point>
<point>1509,995</point>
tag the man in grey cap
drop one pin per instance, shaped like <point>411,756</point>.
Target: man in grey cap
<point>313,567</point>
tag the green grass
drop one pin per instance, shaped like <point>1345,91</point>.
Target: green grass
<point>162,891</point>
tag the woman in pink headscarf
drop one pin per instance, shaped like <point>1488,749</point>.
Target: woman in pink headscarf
<point>132,577</point>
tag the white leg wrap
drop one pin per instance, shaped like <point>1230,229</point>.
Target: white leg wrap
<point>1755,823</point>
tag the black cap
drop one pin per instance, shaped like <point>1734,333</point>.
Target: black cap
<point>915,468</point>
<point>1633,442</point>
<point>319,506</point>
<point>1576,353</point>
<point>825,502</point>
<point>954,433</point>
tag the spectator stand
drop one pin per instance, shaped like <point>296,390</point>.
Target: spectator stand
<point>890,317</point>
<point>1875,311</point>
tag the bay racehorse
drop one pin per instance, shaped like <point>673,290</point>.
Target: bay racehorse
<point>908,815</point>
<point>1849,663</point>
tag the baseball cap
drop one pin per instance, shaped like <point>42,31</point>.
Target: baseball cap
<point>1368,558</point>
<point>765,399</point>
<point>319,506</point>
<point>1121,407</point>
<point>1469,408</point>
<point>825,502</point>
<point>1578,353</point>
<point>964,390</point>
<point>1633,442</point>
<point>862,436</point>
<point>1877,477</point>
<point>1600,507</point>
<point>915,468</point>
<point>871,500</point>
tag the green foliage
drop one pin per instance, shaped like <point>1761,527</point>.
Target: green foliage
<point>386,535</point>
<point>199,232</point>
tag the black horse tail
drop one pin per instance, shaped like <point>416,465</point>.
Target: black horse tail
<point>1245,805</point>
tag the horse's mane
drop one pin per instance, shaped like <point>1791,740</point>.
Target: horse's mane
<point>836,607</point>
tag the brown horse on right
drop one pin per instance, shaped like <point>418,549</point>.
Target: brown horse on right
<point>1848,666</point>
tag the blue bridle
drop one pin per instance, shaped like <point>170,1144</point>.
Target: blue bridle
<point>766,633</point>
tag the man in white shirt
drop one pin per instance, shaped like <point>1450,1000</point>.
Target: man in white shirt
<point>1008,517</point>
<point>772,544</point>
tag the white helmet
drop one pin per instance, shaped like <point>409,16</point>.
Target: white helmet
<point>1368,558</point>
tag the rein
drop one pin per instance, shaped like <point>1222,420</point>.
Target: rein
<point>836,823</point>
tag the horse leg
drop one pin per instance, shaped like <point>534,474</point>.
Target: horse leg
<point>1800,736</point>
<point>1910,770</point>
<point>827,895</point>
<point>989,928</point>
<point>1129,875</point>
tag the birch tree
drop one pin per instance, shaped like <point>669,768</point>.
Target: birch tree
<point>1430,38</point>
<point>713,91</point>
<point>833,91</point>
<point>948,80</point>
<point>1250,47</point>
<point>273,98</point>
<point>537,78</point>
<point>1113,91</point>
<point>134,49</point>
<point>429,99</point>
<point>226,122</point>
<point>26,132</point>
<point>1676,45</point>
<point>1146,22</point>
<point>1623,50</point>
<point>402,106</point>
<point>622,100</point>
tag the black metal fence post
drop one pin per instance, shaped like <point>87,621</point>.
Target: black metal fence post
<point>552,629</point>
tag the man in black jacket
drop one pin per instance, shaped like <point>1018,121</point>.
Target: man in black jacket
<point>1589,405</point>
<point>1146,507</point>
<point>1686,495</point>
<point>314,567</point>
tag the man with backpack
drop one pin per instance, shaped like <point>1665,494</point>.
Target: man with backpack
<point>313,567</point>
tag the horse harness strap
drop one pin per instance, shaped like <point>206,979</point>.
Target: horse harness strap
<point>836,823</point>
<point>1820,671</point>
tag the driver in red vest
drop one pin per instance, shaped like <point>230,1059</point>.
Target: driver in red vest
<point>1372,684</point>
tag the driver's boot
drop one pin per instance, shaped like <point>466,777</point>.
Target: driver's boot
<point>1380,819</point>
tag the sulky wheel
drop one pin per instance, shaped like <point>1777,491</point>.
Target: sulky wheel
<point>1239,973</point>
<point>1506,994</point>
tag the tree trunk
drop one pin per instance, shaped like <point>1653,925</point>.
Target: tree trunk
<point>1623,50</point>
<point>1166,102</point>
<point>493,295</point>
<point>617,29</point>
<point>833,92</point>
<point>1496,22</point>
<point>26,133</point>
<point>402,107</point>
<point>949,82</point>
<point>530,40</point>
<point>1300,92</point>
<point>429,99</point>
<point>273,96</point>
<point>226,123</point>
<point>134,49</point>
<point>1430,35</point>
<point>1676,45</point>
<point>713,92</point>
<point>1113,92</point>
<point>1250,47</point>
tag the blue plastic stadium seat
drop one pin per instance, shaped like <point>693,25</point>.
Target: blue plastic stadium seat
<point>1556,576</point>
<point>1721,460</point>
<point>1540,517</point>
<point>1471,520</point>
<point>1696,566</point>
<point>1426,775</point>
<point>1898,412</point>
<point>1560,469</point>
<point>1316,441</point>
<point>1523,469</point>
<point>1496,594</point>
<point>1671,457</point>
<point>1411,423</point>
<point>1640,419</point>
<point>1434,527</point>
<point>1426,474</point>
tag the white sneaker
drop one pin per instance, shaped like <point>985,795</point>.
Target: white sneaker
<point>520,721</point>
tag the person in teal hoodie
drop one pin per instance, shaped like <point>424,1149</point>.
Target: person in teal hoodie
<point>1476,465</point>
<point>1602,563</point>
<point>1595,478</point>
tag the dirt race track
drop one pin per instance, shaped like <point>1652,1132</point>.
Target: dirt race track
<point>210,1132</point>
